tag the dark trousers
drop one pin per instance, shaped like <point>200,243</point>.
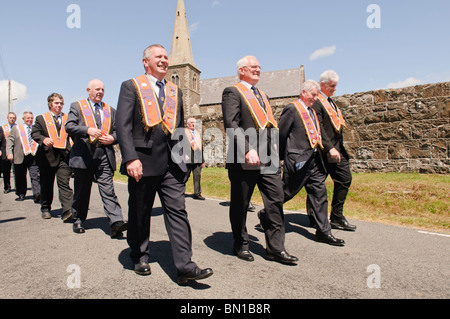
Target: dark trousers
<point>342,179</point>
<point>170,188</point>
<point>313,179</point>
<point>20,176</point>
<point>243,183</point>
<point>101,172</point>
<point>196,170</point>
<point>6,170</point>
<point>62,173</point>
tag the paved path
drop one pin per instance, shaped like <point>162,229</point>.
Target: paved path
<point>40,259</point>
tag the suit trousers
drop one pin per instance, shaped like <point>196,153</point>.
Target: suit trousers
<point>196,170</point>
<point>243,183</point>
<point>63,173</point>
<point>100,171</point>
<point>6,170</point>
<point>170,188</point>
<point>314,182</point>
<point>342,179</point>
<point>20,176</point>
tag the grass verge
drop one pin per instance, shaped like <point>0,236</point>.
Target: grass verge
<point>404,199</point>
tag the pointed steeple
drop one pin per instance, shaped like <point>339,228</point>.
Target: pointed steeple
<point>181,50</point>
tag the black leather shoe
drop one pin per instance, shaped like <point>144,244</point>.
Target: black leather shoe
<point>329,239</point>
<point>46,214</point>
<point>78,228</point>
<point>21,198</point>
<point>199,197</point>
<point>142,268</point>
<point>6,191</point>
<point>194,274</point>
<point>117,228</point>
<point>251,207</point>
<point>37,198</point>
<point>244,255</point>
<point>67,217</point>
<point>282,257</point>
<point>342,224</point>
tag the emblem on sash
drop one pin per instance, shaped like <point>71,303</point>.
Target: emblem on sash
<point>313,133</point>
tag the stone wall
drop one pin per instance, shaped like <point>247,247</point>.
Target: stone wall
<point>399,130</point>
<point>395,130</point>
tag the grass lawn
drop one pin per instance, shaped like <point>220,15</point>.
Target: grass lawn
<point>406,199</point>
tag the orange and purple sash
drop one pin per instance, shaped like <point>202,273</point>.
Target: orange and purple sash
<point>151,113</point>
<point>313,132</point>
<point>89,119</point>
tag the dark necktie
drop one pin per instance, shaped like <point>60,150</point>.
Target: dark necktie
<point>313,117</point>
<point>58,124</point>
<point>258,96</point>
<point>161,95</point>
<point>98,117</point>
<point>332,103</point>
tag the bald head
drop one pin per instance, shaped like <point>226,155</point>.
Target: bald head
<point>96,90</point>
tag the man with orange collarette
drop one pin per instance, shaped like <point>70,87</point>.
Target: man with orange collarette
<point>91,123</point>
<point>301,149</point>
<point>53,160</point>
<point>149,114</point>
<point>252,132</point>
<point>332,124</point>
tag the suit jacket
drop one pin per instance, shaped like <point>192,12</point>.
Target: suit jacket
<point>295,148</point>
<point>237,116</point>
<point>14,146</point>
<point>3,144</point>
<point>195,157</point>
<point>82,152</point>
<point>49,155</point>
<point>153,147</point>
<point>330,138</point>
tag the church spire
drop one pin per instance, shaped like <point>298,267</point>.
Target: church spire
<point>181,50</point>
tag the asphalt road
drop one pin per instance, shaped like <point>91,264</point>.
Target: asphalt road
<point>43,259</point>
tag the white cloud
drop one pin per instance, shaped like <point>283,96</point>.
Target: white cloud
<point>18,93</point>
<point>215,3</point>
<point>408,82</point>
<point>323,52</point>
<point>194,26</point>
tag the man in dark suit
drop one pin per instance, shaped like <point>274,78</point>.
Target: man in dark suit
<point>53,160</point>
<point>91,124</point>
<point>6,164</point>
<point>22,149</point>
<point>336,160</point>
<point>149,115</point>
<point>248,117</point>
<point>300,143</point>
<point>194,158</point>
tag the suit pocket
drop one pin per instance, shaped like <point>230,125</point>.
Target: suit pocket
<point>297,158</point>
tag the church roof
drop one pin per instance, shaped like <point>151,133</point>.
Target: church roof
<point>276,84</point>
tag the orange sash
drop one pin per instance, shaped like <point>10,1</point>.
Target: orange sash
<point>151,113</point>
<point>190,136</point>
<point>27,148</point>
<point>89,119</point>
<point>59,139</point>
<point>261,118</point>
<point>314,136</point>
<point>336,117</point>
<point>6,130</point>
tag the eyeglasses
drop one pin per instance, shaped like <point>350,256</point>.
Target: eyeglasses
<point>253,67</point>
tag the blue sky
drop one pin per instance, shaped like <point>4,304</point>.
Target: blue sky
<point>409,44</point>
